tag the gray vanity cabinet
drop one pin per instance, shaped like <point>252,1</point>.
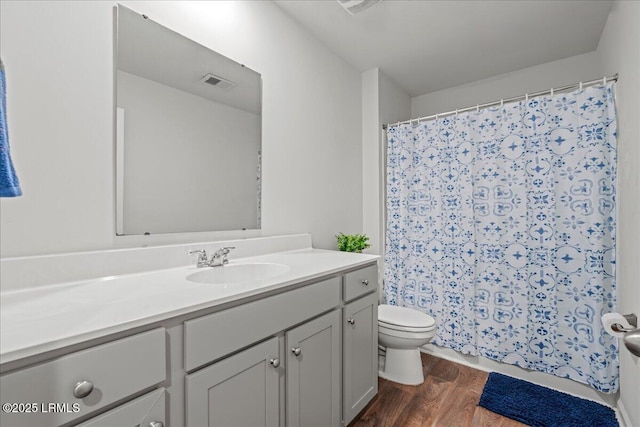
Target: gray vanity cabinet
<point>241,390</point>
<point>313,372</point>
<point>360,355</point>
<point>61,390</point>
<point>325,368</point>
<point>306,356</point>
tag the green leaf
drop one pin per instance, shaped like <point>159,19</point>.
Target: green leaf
<point>352,242</point>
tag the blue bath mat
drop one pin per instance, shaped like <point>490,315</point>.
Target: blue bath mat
<point>539,406</point>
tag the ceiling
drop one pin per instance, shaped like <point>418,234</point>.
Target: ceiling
<point>425,46</point>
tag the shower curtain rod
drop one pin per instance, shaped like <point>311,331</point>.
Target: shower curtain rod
<point>551,91</point>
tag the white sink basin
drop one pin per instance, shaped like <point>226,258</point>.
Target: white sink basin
<point>238,273</point>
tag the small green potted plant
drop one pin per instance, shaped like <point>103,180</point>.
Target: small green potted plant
<point>352,242</point>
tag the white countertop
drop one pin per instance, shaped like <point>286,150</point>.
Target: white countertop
<point>47,318</point>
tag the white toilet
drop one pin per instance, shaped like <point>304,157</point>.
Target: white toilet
<point>402,331</point>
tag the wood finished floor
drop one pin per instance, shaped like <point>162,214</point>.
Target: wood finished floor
<point>447,398</point>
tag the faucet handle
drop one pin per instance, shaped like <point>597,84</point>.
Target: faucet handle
<point>220,256</point>
<point>223,251</point>
<point>202,257</point>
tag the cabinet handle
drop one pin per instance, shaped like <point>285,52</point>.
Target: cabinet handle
<point>275,362</point>
<point>156,424</point>
<point>296,351</point>
<point>365,282</point>
<point>351,321</point>
<point>82,389</point>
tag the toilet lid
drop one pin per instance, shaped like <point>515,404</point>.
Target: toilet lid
<point>404,317</point>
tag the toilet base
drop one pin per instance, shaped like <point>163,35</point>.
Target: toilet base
<point>403,366</point>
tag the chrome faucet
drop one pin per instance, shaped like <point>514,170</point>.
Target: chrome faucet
<point>218,259</point>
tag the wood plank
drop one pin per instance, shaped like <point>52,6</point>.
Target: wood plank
<point>448,398</point>
<point>385,407</point>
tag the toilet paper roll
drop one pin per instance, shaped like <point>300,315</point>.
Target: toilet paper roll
<point>608,319</point>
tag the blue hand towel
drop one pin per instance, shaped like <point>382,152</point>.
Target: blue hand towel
<point>9,184</point>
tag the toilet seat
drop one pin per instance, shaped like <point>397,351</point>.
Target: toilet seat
<point>405,328</point>
<point>404,319</point>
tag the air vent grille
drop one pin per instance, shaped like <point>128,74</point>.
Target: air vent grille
<point>357,6</point>
<point>218,82</point>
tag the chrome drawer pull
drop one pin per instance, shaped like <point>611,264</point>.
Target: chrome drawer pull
<point>296,351</point>
<point>351,321</point>
<point>275,362</point>
<point>365,282</point>
<point>156,424</point>
<point>83,389</point>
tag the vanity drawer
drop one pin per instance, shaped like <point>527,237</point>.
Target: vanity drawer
<point>360,282</point>
<point>211,337</point>
<point>145,411</point>
<point>117,369</point>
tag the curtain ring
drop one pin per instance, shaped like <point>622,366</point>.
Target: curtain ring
<point>501,103</point>
<point>604,81</point>
<point>436,116</point>
<point>526,97</point>
<point>456,112</point>
<point>551,91</point>
<point>477,108</point>
<point>580,85</point>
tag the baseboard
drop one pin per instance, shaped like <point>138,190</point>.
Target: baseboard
<point>547,380</point>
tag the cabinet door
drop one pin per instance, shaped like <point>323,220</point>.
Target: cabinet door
<point>313,372</point>
<point>148,410</point>
<point>241,390</point>
<point>360,363</point>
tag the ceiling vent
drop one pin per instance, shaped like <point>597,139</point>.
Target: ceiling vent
<point>357,6</point>
<point>218,82</point>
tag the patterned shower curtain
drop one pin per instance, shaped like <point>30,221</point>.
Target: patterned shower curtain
<point>501,225</point>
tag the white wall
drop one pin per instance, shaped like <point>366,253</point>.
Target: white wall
<point>59,61</point>
<point>533,79</point>
<point>371,171</point>
<point>395,105</point>
<point>382,102</point>
<point>619,51</point>
<point>178,146</point>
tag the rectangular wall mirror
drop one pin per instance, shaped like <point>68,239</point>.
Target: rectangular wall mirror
<point>188,134</point>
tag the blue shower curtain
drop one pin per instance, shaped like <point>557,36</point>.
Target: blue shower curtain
<point>501,225</point>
